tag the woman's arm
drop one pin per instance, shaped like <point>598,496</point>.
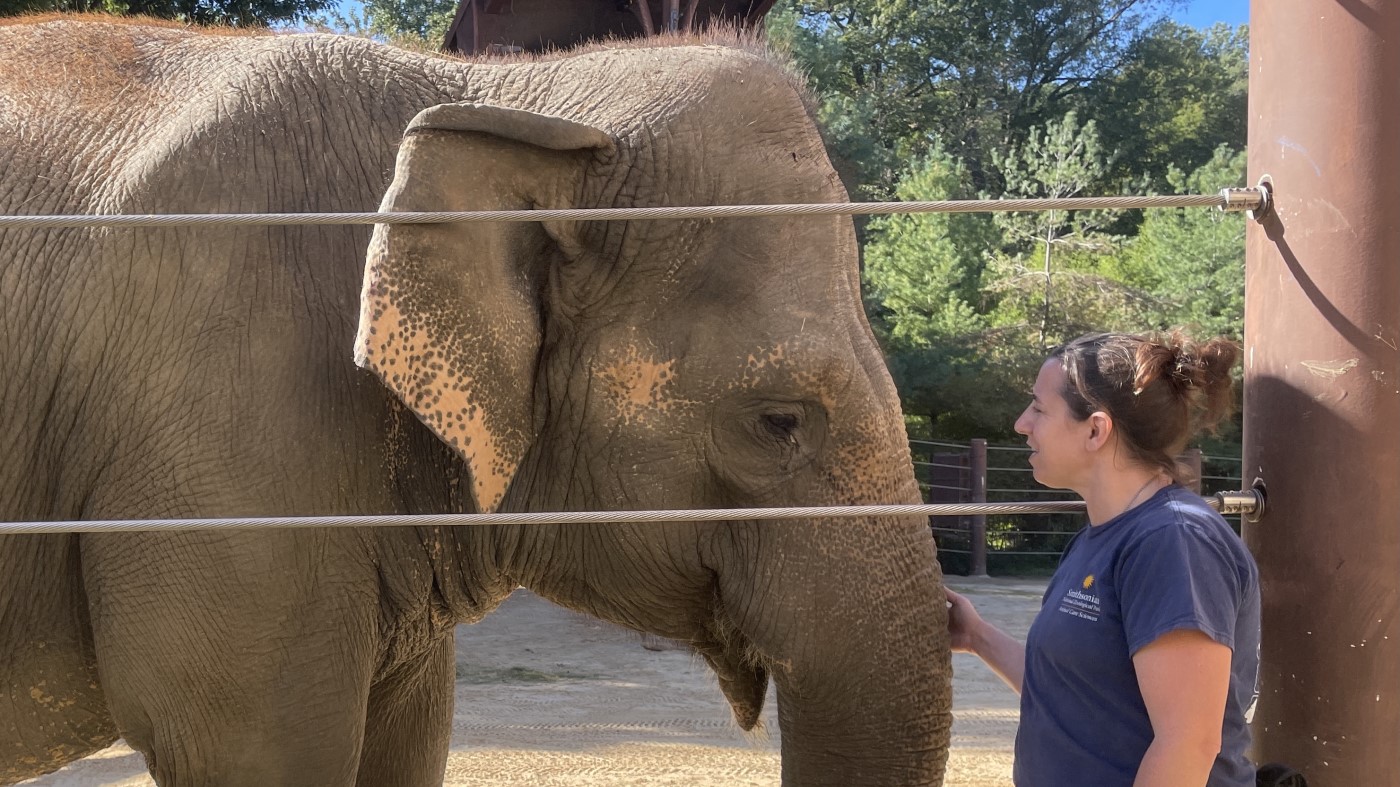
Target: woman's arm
<point>1184,676</point>
<point>971,634</point>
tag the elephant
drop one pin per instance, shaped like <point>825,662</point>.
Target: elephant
<point>250,371</point>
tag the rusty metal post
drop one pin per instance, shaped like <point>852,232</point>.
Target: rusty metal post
<point>476,29</point>
<point>1322,384</point>
<point>930,479</point>
<point>977,452</point>
<point>643,13</point>
<point>931,482</point>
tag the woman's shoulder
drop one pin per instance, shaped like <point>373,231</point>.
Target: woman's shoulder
<point>1176,507</point>
<point>1183,518</point>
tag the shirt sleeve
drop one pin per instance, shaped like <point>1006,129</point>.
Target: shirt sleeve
<point>1178,577</point>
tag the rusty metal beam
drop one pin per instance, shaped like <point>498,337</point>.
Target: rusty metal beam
<point>639,7</point>
<point>476,28</point>
<point>1322,384</point>
<point>757,10</point>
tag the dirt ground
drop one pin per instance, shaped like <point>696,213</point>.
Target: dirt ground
<point>547,698</point>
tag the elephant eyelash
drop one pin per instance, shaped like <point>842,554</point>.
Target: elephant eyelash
<point>782,425</point>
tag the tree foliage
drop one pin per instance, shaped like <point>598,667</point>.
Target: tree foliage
<point>972,75</point>
<point>419,25</point>
<point>426,20</point>
<point>924,278</point>
<point>1053,278</point>
<point>1192,260</point>
<point>970,305</point>
<point>1065,160</point>
<point>1181,93</point>
<point>242,13</point>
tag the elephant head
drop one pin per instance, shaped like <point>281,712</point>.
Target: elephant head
<point>676,364</point>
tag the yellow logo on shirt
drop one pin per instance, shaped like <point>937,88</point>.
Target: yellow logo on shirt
<point>1088,581</point>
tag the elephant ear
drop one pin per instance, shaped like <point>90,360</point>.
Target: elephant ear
<point>449,313</point>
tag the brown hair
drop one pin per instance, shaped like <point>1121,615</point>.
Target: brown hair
<point>1160,389</point>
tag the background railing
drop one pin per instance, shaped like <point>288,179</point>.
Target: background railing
<point>977,472</point>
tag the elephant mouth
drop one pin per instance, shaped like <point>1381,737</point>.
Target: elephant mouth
<point>743,681</point>
<point>743,677</point>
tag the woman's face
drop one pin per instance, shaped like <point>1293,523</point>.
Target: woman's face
<point>1059,442</point>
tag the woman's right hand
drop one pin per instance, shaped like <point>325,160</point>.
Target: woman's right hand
<point>969,633</point>
<point>964,624</point>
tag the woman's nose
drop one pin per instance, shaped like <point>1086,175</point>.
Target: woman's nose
<point>1020,425</point>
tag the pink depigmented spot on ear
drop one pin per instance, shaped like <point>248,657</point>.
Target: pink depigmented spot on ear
<point>421,377</point>
<point>459,423</point>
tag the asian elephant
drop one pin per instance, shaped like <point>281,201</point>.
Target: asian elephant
<point>225,371</point>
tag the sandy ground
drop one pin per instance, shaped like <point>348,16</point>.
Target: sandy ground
<point>547,697</point>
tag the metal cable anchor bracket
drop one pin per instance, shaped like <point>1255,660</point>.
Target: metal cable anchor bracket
<point>1255,200</point>
<point>1248,503</point>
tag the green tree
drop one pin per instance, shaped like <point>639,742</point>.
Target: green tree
<point>923,275</point>
<point>1053,278</point>
<point>419,25</point>
<point>1181,92</point>
<point>426,20</point>
<point>896,76</point>
<point>1192,260</point>
<point>242,13</point>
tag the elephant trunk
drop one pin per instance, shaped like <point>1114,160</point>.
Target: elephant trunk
<point>861,660</point>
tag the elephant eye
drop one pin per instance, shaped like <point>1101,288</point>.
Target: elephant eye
<point>763,444</point>
<point>781,425</point>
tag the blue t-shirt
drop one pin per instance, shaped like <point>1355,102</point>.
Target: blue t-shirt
<point>1171,563</point>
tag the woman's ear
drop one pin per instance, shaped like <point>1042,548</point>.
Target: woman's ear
<point>1100,430</point>
<point>449,313</point>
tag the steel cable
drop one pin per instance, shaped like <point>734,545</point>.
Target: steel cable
<point>565,517</point>
<point>1238,199</point>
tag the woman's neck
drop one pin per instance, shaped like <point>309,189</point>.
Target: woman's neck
<point>1118,491</point>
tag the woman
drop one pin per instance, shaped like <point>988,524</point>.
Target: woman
<point>1140,667</point>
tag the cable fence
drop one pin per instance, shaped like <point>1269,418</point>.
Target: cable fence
<point>1232,200</point>
<point>977,472</point>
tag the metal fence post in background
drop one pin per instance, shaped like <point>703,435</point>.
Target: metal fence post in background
<point>930,483</point>
<point>977,451</point>
<point>1192,460</point>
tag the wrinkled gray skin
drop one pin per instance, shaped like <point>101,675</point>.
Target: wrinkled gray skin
<point>209,372</point>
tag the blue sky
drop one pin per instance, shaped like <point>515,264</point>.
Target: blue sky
<point>1204,13</point>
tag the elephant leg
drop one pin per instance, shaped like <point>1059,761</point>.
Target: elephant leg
<point>51,707</point>
<point>409,722</point>
<point>234,659</point>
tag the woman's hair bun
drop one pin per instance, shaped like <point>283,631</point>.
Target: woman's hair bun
<point>1199,372</point>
